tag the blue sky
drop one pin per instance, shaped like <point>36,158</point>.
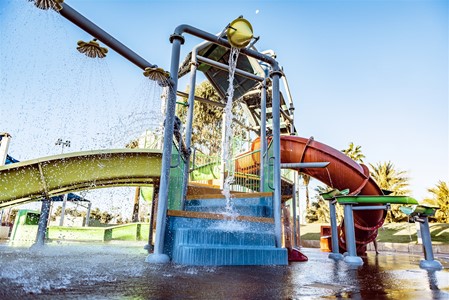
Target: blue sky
<point>370,72</point>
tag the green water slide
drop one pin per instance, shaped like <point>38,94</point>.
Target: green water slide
<point>32,180</point>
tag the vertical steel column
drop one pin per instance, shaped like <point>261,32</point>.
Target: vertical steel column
<point>5,139</point>
<point>149,246</point>
<point>277,155</point>
<point>43,222</point>
<point>429,261</point>
<point>64,203</point>
<point>89,207</point>
<point>263,134</point>
<point>189,121</point>
<point>223,158</point>
<point>352,257</point>
<point>336,255</point>
<point>295,244</point>
<point>158,256</point>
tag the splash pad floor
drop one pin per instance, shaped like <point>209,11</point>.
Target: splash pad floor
<point>118,271</point>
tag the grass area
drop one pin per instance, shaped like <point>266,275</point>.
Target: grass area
<point>389,233</point>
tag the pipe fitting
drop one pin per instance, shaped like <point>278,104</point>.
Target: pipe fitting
<point>194,63</point>
<point>176,36</point>
<point>276,72</point>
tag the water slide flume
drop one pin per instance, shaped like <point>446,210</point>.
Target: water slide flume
<point>341,173</point>
<point>57,175</point>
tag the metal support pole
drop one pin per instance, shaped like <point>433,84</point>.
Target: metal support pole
<point>89,206</point>
<point>42,224</point>
<point>304,165</point>
<point>295,244</point>
<point>336,255</point>
<point>263,134</point>
<point>352,257</point>
<point>5,139</point>
<point>135,216</point>
<point>149,247</point>
<point>223,158</point>
<point>189,122</point>
<point>64,203</point>
<point>277,156</point>
<point>158,256</point>
<point>429,261</point>
<point>85,24</point>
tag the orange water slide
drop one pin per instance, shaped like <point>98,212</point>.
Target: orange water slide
<point>341,173</point>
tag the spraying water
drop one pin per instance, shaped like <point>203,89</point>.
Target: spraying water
<point>227,144</point>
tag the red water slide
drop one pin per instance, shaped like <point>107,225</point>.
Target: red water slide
<point>341,173</point>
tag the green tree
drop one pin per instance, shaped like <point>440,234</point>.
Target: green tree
<point>319,209</point>
<point>389,178</point>
<point>206,126</point>
<point>441,196</point>
<point>354,152</point>
<point>102,216</point>
<point>207,120</point>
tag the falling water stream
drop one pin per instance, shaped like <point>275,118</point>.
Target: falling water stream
<point>227,143</point>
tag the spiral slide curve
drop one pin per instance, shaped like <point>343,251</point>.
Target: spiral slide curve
<point>341,173</point>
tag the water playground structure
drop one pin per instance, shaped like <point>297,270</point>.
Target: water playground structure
<point>192,224</point>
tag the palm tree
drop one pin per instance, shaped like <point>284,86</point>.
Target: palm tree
<point>388,178</point>
<point>306,181</point>
<point>396,181</point>
<point>354,152</point>
<point>441,196</point>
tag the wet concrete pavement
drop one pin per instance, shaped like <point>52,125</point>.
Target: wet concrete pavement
<point>119,272</point>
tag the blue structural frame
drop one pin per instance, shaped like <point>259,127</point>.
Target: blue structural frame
<point>177,40</point>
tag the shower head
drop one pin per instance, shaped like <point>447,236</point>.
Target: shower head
<point>47,4</point>
<point>158,74</point>
<point>92,49</point>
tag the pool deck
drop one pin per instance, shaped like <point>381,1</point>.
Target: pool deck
<point>118,271</point>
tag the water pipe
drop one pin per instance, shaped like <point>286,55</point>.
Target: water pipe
<point>85,24</point>
<point>304,165</point>
<point>189,119</point>
<point>276,142</point>
<point>158,256</point>
<point>263,134</point>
